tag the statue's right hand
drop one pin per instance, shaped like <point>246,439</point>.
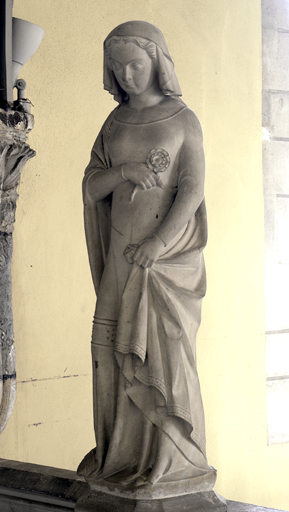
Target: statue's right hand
<point>139,174</point>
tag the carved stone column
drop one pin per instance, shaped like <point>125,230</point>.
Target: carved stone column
<point>14,153</point>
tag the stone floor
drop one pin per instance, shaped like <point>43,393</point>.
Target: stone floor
<point>33,488</point>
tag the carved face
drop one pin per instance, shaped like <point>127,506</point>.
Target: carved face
<point>133,68</point>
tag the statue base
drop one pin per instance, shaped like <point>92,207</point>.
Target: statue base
<point>198,502</point>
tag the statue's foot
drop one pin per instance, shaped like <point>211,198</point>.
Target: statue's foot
<point>142,482</point>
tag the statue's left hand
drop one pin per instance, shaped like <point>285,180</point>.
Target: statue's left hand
<point>149,251</point>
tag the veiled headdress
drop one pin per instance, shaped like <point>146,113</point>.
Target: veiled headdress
<point>167,77</point>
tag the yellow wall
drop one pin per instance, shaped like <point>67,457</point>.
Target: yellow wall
<point>216,46</point>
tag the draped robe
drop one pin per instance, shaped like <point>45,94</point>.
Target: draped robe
<point>148,411</point>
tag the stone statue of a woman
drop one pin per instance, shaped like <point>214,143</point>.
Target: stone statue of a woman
<point>145,222</point>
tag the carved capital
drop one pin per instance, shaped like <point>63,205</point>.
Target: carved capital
<point>14,153</point>
<point>15,125</point>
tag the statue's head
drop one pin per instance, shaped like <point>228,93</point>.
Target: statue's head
<point>135,56</point>
<point>133,61</point>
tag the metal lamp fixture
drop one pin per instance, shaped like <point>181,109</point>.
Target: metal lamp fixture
<point>26,37</point>
<point>19,40</point>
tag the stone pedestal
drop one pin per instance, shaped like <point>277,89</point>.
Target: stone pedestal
<point>28,487</point>
<point>197,502</point>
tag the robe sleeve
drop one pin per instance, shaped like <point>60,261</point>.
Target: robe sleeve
<point>192,157</point>
<point>191,176</point>
<point>97,214</point>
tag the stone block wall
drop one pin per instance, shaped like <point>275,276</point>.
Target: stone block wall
<point>276,201</point>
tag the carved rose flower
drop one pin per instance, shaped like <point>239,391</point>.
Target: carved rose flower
<point>158,160</point>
